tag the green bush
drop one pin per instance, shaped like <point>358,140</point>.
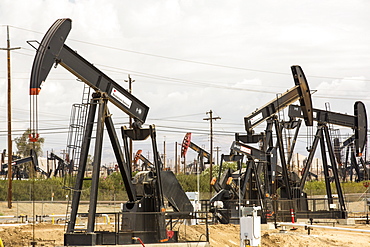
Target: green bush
<point>319,188</point>
<point>112,187</point>
<point>353,187</point>
<point>315,188</point>
<point>189,182</point>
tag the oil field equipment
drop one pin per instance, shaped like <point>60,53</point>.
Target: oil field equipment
<point>202,153</point>
<point>143,216</point>
<point>259,181</point>
<point>274,186</point>
<point>357,122</point>
<point>20,172</point>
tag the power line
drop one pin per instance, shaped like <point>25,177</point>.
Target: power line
<point>180,116</point>
<point>204,63</point>
<point>208,84</point>
<point>211,84</point>
<point>190,61</point>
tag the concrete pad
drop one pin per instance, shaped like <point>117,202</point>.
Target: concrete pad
<point>185,244</point>
<point>268,226</point>
<point>348,221</point>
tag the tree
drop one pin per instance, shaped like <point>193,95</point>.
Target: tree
<point>24,145</point>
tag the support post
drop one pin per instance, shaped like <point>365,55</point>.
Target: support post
<point>123,167</point>
<point>309,160</point>
<point>282,158</point>
<point>325,165</point>
<point>96,166</point>
<point>334,169</point>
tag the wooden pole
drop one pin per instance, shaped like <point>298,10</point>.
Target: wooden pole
<point>10,149</point>
<point>211,118</point>
<point>130,81</point>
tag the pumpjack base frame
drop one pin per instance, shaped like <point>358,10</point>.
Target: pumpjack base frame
<point>325,214</point>
<point>109,238</point>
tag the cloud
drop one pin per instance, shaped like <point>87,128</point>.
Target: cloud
<point>329,40</point>
<point>353,88</point>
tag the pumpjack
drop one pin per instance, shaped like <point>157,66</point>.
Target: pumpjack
<point>186,144</point>
<point>247,185</point>
<point>144,213</point>
<point>17,162</point>
<point>262,179</point>
<point>63,167</point>
<point>357,122</point>
<point>146,163</point>
<point>352,167</point>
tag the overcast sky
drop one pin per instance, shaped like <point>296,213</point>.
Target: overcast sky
<point>187,58</point>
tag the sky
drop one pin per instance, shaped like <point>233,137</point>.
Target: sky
<point>187,58</point>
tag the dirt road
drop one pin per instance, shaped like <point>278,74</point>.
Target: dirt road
<point>46,234</point>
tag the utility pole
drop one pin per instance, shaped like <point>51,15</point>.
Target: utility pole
<point>130,81</point>
<point>211,118</point>
<point>176,171</point>
<point>164,153</point>
<point>10,149</point>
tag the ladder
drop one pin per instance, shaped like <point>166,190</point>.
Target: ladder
<point>334,133</point>
<point>74,142</point>
<point>77,128</point>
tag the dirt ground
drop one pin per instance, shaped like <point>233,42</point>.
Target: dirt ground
<point>46,234</point>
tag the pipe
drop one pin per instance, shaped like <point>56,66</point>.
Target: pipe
<point>7,216</point>
<point>325,227</point>
<point>12,216</point>
<point>360,218</point>
<point>106,219</point>
<point>18,224</point>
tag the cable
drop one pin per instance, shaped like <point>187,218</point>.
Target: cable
<point>202,63</point>
<point>20,28</point>
<point>184,81</point>
<point>188,115</point>
<point>186,60</point>
<point>209,84</point>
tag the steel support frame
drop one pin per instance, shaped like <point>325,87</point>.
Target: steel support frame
<point>142,134</point>
<point>335,169</point>
<point>160,199</point>
<point>297,127</point>
<point>103,119</point>
<point>322,136</point>
<point>96,165</point>
<point>82,165</point>
<point>279,140</point>
<point>158,168</point>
